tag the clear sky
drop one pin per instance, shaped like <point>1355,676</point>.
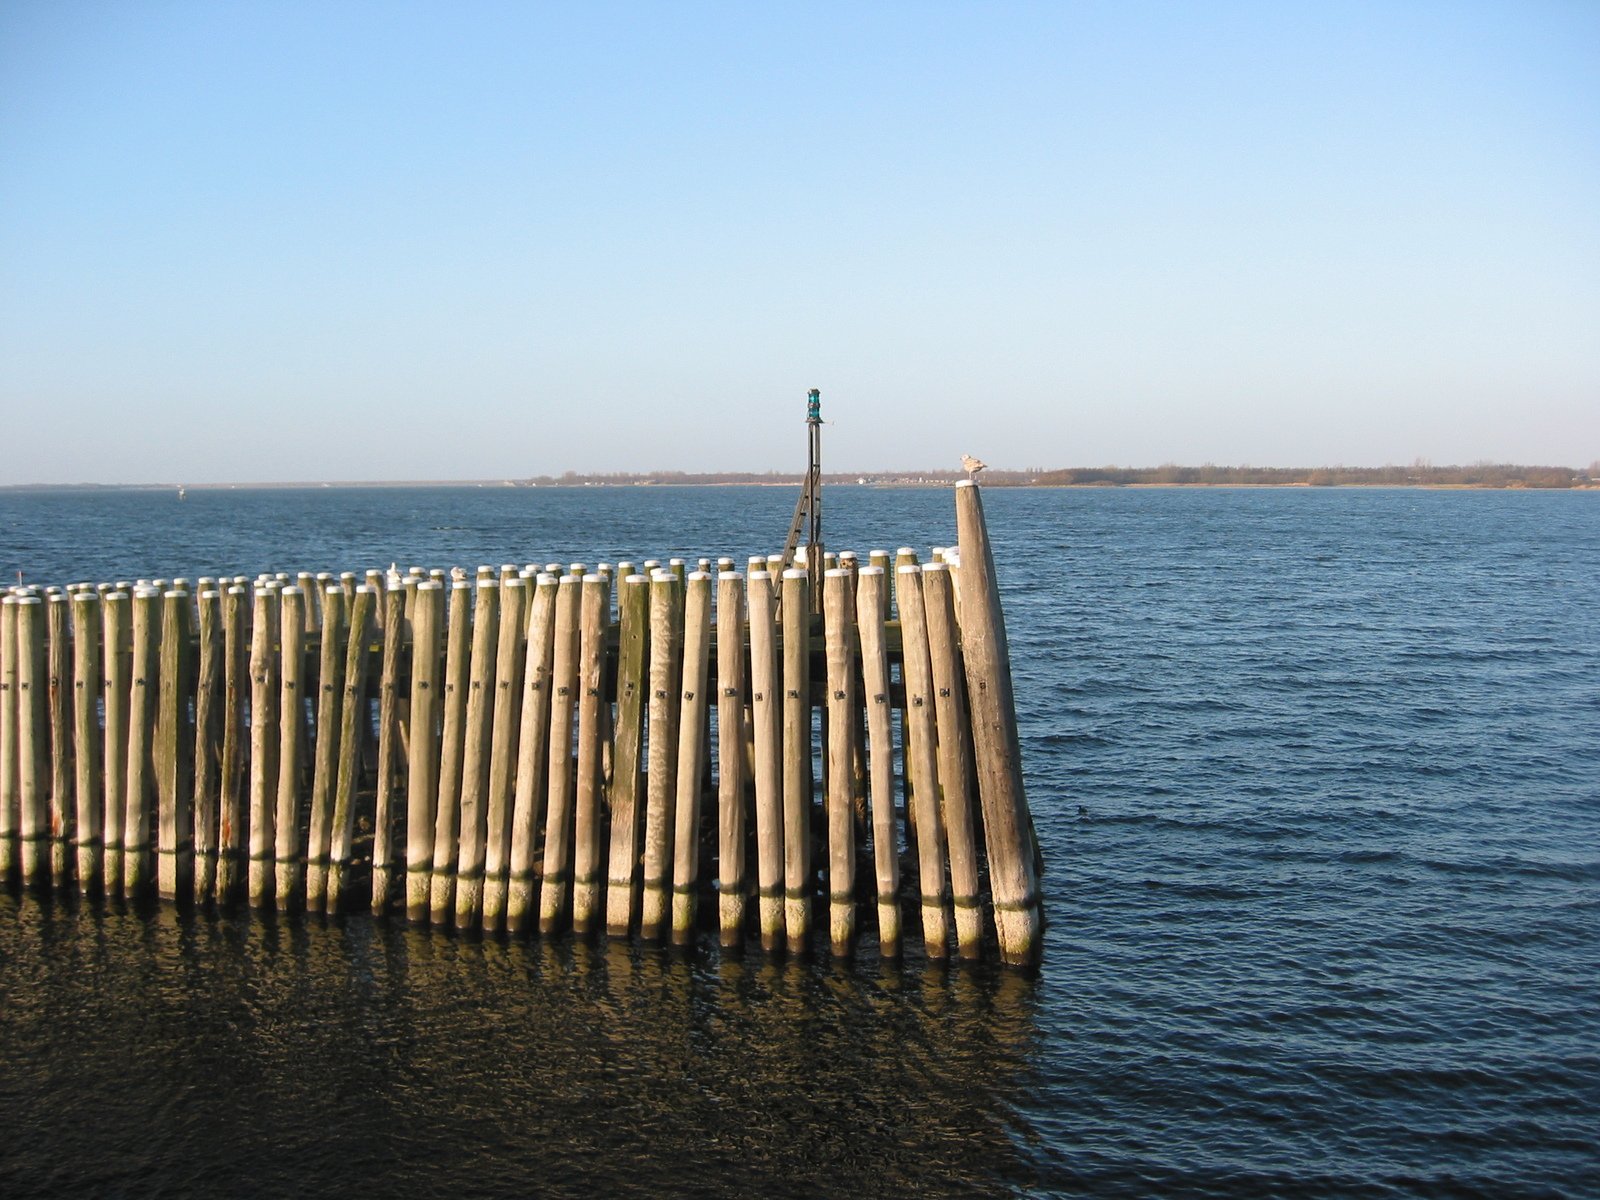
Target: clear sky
<point>277,241</point>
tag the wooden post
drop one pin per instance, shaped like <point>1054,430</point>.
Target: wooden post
<point>627,811</point>
<point>395,631</point>
<point>921,750</point>
<point>231,801</point>
<point>353,718</point>
<point>797,774</point>
<point>1008,827</point>
<point>509,660</point>
<point>264,739</point>
<point>765,711</point>
<point>527,816</point>
<point>730,755</point>
<point>692,725</point>
<point>955,762</point>
<point>208,705</point>
<point>475,756</point>
<point>136,851</point>
<point>592,707</point>
<point>447,815</point>
<point>558,808</point>
<point>666,639</point>
<point>174,812</point>
<point>838,611</point>
<point>289,845</point>
<point>86,679</point>
<point>10,799</point>
<point>421,777</point>
<point>116,629</point>
<point>871,604</point>
<point>32,748</point>
<point>325,755</point>
<point>63,810</point>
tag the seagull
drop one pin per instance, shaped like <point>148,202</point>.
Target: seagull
<point>972,465</point>
<point>458,574</point>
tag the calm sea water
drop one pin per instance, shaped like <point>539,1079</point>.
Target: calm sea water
<point>1317,778</point>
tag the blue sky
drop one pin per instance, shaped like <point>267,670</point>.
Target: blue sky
<point>277,241</point>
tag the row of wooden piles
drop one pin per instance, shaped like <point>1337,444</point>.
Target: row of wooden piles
<point>554,749</point>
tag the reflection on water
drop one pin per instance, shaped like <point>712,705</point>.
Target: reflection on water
<point>244,1055</point>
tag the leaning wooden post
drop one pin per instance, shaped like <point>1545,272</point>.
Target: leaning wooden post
<point>116,625</point>
<point>264,693</point>
<point>587,815</point>
<point>63,809</point>
<point>838,614</point>
<point>32,748</point>
<point>766,713</point>
<point>666,640</point>
<point>288,843</point>
<point>955,762</point>
<point>141,719</point>
<point>385,805</point>
<point>231,795</point>
<point>691,756</point>
<point>447,813</point>
<point>627,808</point>
<point>921,758</point>
<point>478,731</point>
<point>352,724</point>
<point>86,736</point>
<point>510,657</point>
<point>871,604</point>
<point>797,775</point>
<point>9,797</point>
<point>1008,826</point>
<point>558,809</point>
<point>730,756</point>
<point>175,823</point>
<point>527,812</point>
<point>325,755</point>
<point>208,704</point>
<point>421,777</point>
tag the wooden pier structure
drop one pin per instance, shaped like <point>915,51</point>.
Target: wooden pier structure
<point>785,755</point>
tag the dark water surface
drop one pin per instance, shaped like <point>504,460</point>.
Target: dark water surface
<point>1317,777</point>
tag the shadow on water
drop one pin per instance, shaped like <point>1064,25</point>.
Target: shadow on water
<point>239,1055</point>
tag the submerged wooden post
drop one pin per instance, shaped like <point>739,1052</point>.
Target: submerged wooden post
<point>920,749</point>
<point>421,780</point>
<point>63,814</point>
<point>352,723</point>
<point>447,813</point>
<point>33,752</point>
<point>627,807</point>
<point>231,848</point>
<point>1008,828</point>
<point>955,763</point>
<point>691,755</point>
<point>838,614</point>
<point>288,842</point>
<point>731,772</point>
<point>510,657</point>
<point>797,774</point>
<point>872,595</point>
<point>136,852</point>
<point>116,625</point>
<point>208,712</point>
<point>264,694</point>
<point>86,682</point>
<point>587,815</point>
<point>666,639</point>
<point>395,630</point>
<point>553,887</point>
<point>475,756</point>
<point>766,714</point>
<point>527,814</point>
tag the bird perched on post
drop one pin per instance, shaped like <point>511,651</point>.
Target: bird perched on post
<point>972,465</point>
